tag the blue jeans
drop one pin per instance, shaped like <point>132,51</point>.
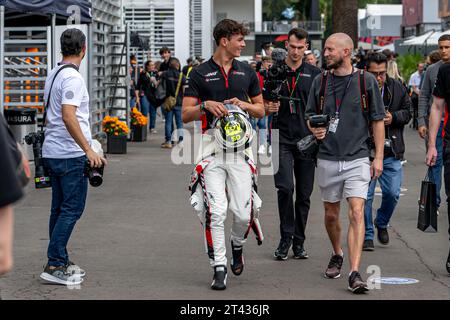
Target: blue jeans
<point>147,107</point>
<point>390,183</point>
<point>132,103</point>
<point>69,192</point>
<point>261,124</point>
<point>436,170</point>
<point>169,127</point>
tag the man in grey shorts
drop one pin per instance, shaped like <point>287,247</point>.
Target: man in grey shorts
<point>343,168</point>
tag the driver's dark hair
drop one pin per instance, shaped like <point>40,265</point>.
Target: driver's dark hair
<point>227,28</point>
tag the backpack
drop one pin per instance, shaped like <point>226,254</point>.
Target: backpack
<point>362,92</point>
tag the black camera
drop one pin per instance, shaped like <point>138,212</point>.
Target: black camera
<point>274,79</point>
<point>319,120</point>
<point>41,175</point>
<point>279,72</point>
<point>309,145</point>
<point>95,175</point>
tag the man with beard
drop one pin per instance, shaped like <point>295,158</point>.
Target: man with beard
<point>343,167</point>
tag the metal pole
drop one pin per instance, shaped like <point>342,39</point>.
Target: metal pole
<point>53,37</point>
<point>90,74</point>
<point>128,76</point>
<point>2,58</point>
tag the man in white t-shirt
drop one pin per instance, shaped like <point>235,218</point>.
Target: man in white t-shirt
<point>414,85</point>
<point>66,151</point>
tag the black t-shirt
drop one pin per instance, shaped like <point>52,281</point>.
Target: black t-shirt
<point>350,140</point>
<point>164,66</point>
<point>442,90</point>
<point>10,190</point>
<point>209,81</point>
<point>292,125</point>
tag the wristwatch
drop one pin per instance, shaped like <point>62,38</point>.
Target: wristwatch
<point>202,106</point>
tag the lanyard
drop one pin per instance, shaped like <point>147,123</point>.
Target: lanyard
<point>337,101</point>
<point>294,84</point>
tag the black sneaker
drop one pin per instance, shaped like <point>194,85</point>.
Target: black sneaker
<point>356,283</point>
<point>334,267</point>
<point>368,245</point>
<point>447,265</point>
<point>59,275</point>
<point>383,235</point>
<point>220,278</point>
<point>283,249</point>
<point>237,261</point>
<point>299,251</point>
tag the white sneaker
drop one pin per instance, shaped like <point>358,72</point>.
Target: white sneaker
<point>153,131</point>
<point>270,150</point>
<point>262,149</point>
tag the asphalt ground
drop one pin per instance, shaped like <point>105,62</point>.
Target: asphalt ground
<point>139,239</point>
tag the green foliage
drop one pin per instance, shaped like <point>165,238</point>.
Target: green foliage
<point>272,9</point>
<point>407,64</point>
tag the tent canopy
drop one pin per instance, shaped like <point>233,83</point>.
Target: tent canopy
<point>433,40</point>
<point>65,8</point>
<point>420,40</point>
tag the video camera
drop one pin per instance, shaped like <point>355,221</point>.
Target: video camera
<point>277,74</point>
<point>41,176</point>
<point>309,145</point>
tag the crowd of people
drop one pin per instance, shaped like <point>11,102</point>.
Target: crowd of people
<point>367,94</point>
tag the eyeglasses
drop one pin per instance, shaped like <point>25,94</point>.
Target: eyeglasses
<point>379,74</point>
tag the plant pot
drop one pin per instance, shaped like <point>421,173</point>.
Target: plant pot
<point>116,144</point>
<point>138,133</point>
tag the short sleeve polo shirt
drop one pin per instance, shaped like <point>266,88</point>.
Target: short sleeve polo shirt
<point>209,81</point>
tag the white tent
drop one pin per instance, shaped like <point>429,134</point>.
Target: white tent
<point>420,40</point>
<point>433,40</point>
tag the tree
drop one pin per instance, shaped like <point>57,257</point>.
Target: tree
<point>345,18</point>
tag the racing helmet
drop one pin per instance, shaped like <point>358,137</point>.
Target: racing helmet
<point>233,131</point>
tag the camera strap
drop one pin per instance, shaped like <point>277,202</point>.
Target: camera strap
<point>292,105</point>
<point>69,65</point>
<point>322,92</point>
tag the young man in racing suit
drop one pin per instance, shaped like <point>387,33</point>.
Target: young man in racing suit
<point>228,184</point>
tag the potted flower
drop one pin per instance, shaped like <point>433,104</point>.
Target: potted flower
<point>138,125</point>
<point>117,132</point>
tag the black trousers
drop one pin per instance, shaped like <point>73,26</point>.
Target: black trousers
<point>293,217</point>
<point>447,183</point>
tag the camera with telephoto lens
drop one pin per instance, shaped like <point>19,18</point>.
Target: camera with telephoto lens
<point>309,145</point>
<point>276,75</point>
<point>41,175</point>
<point>95,175</point>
